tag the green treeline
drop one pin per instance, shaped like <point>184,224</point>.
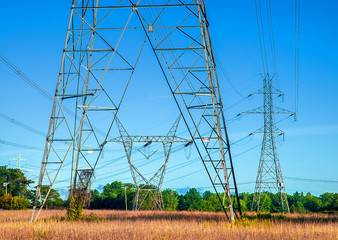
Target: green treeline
<point>113,197</point>
<point>15,194</point>
<point>19,196</point>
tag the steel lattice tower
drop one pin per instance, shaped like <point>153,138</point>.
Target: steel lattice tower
<point>148,186</point>
<point>269,175</point>
<point>104,42</point>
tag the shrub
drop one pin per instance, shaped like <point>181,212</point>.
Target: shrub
<point>13,203</point>
<point>75,208</point>
<point>266,215</point>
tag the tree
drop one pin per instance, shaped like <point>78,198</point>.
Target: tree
<point>312,203</point>
<point>182,206</point>
<point>245,201</point>
<point>96,200</point>
<point>170,199</point>
<point>297,207</point>
<point>276,203</point>
<point>112,196</point>
<point>193,200</point>
<point>211,202</point>
<point>17,182</point>
<point>335,202</point>
<point>17,189</point>
<point>267,202</point>
<point>328,200</point>
<point>54,199</point>
<point>9,202</point>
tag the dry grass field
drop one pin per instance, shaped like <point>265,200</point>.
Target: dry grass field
<point>106,224</point>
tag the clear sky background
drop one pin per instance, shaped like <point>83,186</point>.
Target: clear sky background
<point>32,37</point>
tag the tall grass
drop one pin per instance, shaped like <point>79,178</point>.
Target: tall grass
<point>109,224</point>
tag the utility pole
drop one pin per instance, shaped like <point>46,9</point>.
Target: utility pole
<point>125,196</point>
<point>6,184</point>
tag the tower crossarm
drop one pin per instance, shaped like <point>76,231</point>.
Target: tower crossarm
<point>275,131</point>
<point>260,110</point>
<point>149,139</point>
<point>274,91</point>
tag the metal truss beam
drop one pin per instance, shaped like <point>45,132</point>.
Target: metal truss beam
<point>150,139</point>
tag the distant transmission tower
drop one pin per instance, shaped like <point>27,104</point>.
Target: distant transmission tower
<point>148,186</point>
<point>104,42</point>
<point>269,175</point>
<point>18,160</point>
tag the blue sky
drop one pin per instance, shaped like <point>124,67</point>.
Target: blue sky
<point>32,37</point>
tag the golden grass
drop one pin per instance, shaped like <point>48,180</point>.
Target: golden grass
<point>108,224</point>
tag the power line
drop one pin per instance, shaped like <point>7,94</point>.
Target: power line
<point>20,124</point>
<point>225,74</point>
<point>186,175</point>
<point>40,90</point>
<point>23,76</point>
<point>33,84</point>
<point>312,180</point>
<point>261,35</point>
<point>297,22</point>
<point>20,145</point>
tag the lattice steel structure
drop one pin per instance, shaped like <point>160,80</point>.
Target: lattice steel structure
<point>269,175</point>
<point>104,42</point>
<point>148,186</point>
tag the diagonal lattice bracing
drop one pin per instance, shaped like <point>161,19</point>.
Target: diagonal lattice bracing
<point>148,186</point>
<point>104,43</point>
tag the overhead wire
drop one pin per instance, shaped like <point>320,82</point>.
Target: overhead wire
<point>297,28</point>
<point>20,145</point>
<point>197,171</point>
<point>234,156</point>
<point>311,180</point>
<point>23,76</point>
<point>22,125</point>
<point>261,35</point>
<point>272,41</point>
<point>227,78</point>
<point>38,88</point>
<point>33,84</point>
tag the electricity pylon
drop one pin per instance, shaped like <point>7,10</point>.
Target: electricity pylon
<point>269,175</point>
<point>18,160</point>
<point>104,42</point>
<point>148,186</point>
